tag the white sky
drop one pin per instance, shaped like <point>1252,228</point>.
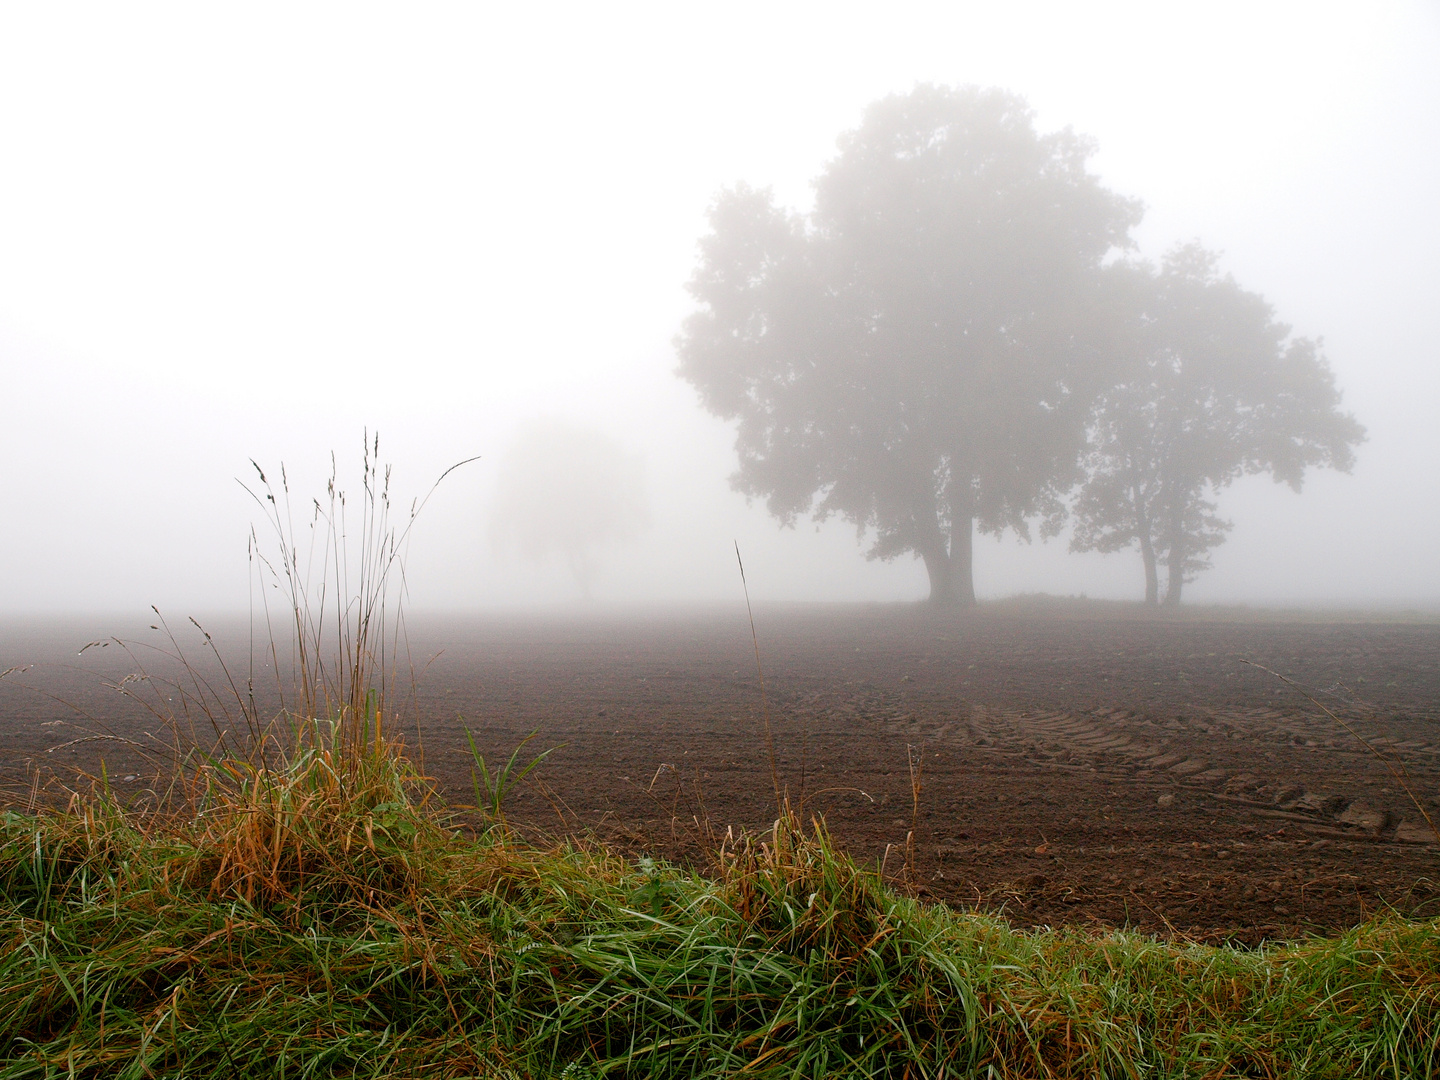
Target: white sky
<point>253,231</point>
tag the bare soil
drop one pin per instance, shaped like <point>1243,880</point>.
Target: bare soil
<point>1062,762</point>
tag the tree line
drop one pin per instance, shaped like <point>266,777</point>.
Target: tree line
<point>959,337</point>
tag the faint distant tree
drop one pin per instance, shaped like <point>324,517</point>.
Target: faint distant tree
<point>1211,387</point>
<point>566,492</point>
<point>911,354</point>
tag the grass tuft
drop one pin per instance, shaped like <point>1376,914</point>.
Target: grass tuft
<point>422,950</point>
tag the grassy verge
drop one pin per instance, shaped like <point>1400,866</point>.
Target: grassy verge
<point>324,918</point>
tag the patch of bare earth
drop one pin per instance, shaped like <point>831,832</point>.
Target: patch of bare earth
<point>1093,764</point>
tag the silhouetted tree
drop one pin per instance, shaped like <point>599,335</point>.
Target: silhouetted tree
<point>567,491</point>
<point>1211,388</point>
<point>910,355</point>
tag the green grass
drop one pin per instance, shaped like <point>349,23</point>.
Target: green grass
<point>324,917</point>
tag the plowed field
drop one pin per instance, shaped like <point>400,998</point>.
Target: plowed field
<point>1065,762</point>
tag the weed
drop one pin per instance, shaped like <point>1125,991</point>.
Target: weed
<point>490,791</point>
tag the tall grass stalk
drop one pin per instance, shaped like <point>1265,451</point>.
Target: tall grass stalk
<point>343,583</point>
<point>780,799</point>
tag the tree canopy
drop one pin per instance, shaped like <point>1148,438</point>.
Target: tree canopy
<point>1209,387</point>
<point>918,354</point>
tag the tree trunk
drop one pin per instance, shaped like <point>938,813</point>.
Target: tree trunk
<point>1177,575</point>
<point>950,567</point>
<point>962,558</point>
<point>1152,577</point>
<point>1147,546</point>
<point>1175,541</point>
<point>942,579</point>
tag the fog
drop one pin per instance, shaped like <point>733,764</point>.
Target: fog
<point>259,233</point>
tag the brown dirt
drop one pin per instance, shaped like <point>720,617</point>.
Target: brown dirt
<point>1077,763</point>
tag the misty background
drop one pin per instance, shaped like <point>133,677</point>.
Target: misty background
<point>256,233</point>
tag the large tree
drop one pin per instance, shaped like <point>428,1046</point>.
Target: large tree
<point>1210,387</point>
<point>915,354</point>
